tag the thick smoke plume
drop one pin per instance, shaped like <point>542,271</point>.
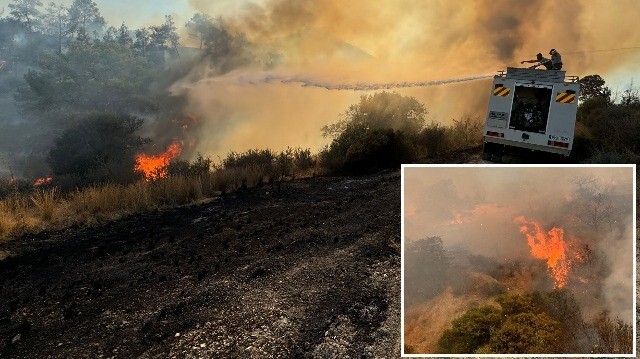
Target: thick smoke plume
<point>366,46</point>
<point>410,46</point>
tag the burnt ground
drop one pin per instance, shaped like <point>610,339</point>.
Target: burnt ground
<point>308,268</point>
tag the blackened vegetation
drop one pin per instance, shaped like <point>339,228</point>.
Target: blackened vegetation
<point>311,270</point>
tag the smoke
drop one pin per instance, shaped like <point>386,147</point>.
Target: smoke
<point>408,46</point>
<point>473,210</point>
<point>436,51</point>
<point>618,284</point>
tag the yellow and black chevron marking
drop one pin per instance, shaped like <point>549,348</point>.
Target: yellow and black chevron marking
<point>500,90</point>
<point>566,97</point>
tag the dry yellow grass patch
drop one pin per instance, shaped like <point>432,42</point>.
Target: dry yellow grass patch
<point>48,209</point>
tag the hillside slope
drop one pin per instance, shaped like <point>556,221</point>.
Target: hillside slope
<point>308,268</point>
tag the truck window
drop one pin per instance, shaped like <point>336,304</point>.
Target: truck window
<point>530,109</point>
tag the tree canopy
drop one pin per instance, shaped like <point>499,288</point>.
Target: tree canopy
<point>593,86</point>
<point>99,148</point>
<point>383,110</point>
<point>102,76</point>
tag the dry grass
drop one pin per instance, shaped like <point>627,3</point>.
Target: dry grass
<point>7,223</point>
<point>48,209</point>
<point>45,202</point>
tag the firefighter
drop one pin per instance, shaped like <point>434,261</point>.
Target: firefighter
<point>548,64</point>
<point>556,60</point>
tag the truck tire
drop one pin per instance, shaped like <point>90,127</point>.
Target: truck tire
<point>487,151</point>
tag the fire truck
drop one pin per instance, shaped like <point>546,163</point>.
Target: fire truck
<point>530,111</point>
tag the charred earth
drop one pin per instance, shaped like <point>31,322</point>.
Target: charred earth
<point>308,268</point>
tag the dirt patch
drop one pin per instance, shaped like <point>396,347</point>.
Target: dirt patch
<point>308,268</point>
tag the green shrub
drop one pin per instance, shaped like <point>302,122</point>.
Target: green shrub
<point>528,333</point>
<point>250,158</point>
<point>471,331</point>
<point>433,139</point>
<point>201,166</point>
<point>360,150</point>
<point>518,303</point>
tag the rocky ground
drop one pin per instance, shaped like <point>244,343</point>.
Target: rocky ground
<point>308,268</point>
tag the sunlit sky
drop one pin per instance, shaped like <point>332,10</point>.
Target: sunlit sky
<point>142,13</point>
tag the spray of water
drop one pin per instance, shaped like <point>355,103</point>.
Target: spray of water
<point>254,78</point>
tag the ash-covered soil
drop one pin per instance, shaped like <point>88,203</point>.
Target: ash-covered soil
<point>308,268</point>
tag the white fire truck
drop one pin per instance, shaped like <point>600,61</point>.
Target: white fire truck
<point>530,110</point>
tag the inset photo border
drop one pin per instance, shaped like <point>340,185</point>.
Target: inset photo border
<point>518,260</point>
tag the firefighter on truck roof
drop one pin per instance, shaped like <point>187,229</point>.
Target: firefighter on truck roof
<point>554,63</point>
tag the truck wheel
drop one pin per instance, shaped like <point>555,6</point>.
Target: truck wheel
<point>487,151</point>
<point>496,157</point>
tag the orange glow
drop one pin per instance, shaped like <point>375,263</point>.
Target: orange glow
<point>157,166</point>
<point>552,247</point>
<point>41,181</point>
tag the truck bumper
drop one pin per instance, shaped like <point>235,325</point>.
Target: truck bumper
<point>528,145</point>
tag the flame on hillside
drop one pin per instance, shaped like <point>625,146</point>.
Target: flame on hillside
<point>40,181</point>
<point>157,166</point>
<point>559,253</point>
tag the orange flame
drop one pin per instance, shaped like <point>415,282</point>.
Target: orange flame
<point>157,166</point>
<point>552,247</point>
<point>41,181</point>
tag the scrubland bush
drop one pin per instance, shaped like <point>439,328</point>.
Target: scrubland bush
<point>607,129</point>
<point>614,336</point>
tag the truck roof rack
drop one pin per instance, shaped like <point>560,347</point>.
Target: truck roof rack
<point>535,75</point>
<point>527,74</point>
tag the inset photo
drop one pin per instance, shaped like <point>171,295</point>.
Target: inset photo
<point>518,260</point>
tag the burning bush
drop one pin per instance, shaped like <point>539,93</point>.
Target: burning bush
<point>100,148</point>
<point>154,167</point>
